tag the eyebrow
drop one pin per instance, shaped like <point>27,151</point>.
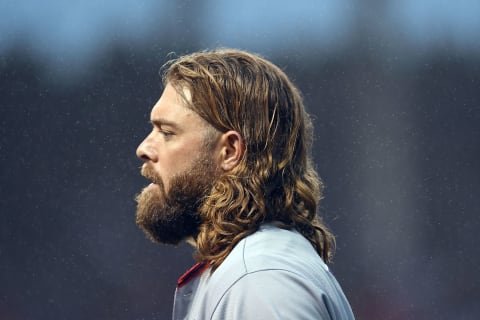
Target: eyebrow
<point>163,122</point>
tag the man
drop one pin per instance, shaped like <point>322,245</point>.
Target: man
<point>231,171</point>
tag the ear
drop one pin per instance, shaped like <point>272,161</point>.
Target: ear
<point>231,149</point>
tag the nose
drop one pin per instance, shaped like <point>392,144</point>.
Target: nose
<point>146,150</point>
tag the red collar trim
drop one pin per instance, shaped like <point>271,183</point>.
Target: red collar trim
<point>192,273</point>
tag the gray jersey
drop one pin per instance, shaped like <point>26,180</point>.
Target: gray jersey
<point>271,274</point>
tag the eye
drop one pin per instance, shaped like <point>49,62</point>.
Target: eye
<point>165,133</point>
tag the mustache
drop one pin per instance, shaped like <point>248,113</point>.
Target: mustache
<point>148,172</point>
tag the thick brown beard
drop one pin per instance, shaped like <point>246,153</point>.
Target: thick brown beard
<point>172,217</point>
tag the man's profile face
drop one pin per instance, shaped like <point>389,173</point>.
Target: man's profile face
<point>180,164</point>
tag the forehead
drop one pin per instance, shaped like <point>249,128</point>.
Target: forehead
<point>172,107</point>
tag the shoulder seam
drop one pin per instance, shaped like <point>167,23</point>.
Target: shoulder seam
<point>243,255</point>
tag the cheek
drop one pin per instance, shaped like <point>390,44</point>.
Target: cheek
<point>176,164</point>
<point>170,170</point>
<point>179,156</point>
<point>172,167</point>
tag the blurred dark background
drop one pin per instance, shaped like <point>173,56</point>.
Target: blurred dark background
<point>394,87</point>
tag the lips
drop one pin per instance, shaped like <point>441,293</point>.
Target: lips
<point>150,174</point>
<point>152,186</point>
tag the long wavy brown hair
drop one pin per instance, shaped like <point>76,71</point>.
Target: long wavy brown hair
<point>275,179</point>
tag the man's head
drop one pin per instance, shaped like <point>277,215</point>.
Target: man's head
<point>178,159</point>
<point>257,166</point>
